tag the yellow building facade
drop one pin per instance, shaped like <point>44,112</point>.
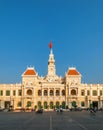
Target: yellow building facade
<point>51,91</point>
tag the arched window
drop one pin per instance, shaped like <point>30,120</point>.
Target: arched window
<point>74,104</point>
<point>51,105</point>
<point>29,92</point>
<point>82,104</point>
<point>51,93</point>
<point>82,92</point>
<point>63,92</point>
<point>28,104</point>
<point>39,92</point>
<point>39,104</point>
<point>19,104</point>
<point>63,105</point>
<point>94,92</point>
<point>57,92</point>
<point>57,104</point>
<point>73,92</point>
<point>45,105</point>
<point>100,92</point>
<point>45,93</point>
<point>88,92</point>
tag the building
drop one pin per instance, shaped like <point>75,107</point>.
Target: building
<point>51,91</point>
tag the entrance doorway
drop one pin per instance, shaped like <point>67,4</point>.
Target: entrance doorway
<point>74,104</point>
<point>95,104</point>
<point>7,104</point>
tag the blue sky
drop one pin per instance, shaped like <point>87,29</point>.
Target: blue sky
<point>74,26</point>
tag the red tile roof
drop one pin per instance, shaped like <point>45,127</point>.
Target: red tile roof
<point>30,71</point>
<point>73,71</point>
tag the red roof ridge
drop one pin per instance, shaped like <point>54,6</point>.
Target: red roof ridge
<point>30,71</point>
<point>72,71</point>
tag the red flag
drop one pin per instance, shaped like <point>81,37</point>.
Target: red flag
<point>50,45</point>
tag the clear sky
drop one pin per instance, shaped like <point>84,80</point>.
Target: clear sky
<point>75,28</point>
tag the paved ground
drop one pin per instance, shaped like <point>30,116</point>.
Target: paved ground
<point>51,121</point>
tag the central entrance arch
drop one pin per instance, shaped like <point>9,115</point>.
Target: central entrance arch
<point>74,104</point>
<point>95,104</point>
<point>7,104</point>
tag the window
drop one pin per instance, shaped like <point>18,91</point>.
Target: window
<point>74,104</point>
<point>51,93</point>
<point>29,92</point>
<point>14,92</point>
<point>45,105</point>
<point>100,92</point>
<point>63,92</point>
<point>28,104</point>
<point>45,93</point>
<point>19,92</point>
<point>57,104</point>
<point>82,104</point>
<point>82,93</point>
<point>39,105</point>
<point>57,93</point>
<point>51,105</point>
<point>39,92</point>
<point>73,92</point>
<point>19,104</point>
<point>94,93</point>
<point>7,92</point>
<point>88,92</point>
<point>63,105</point>
<point>1,92</point>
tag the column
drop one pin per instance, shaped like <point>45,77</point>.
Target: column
<point>60,92</point>
<point>88,104</point>
<point>16,92</point>
<point>68,95</point>
<point>0,104</point>
<point>42,92</point>
<point>98,92</point>
<point>90,91</point>
<point>54,92</point>
<point>101,104</point>
<point>48,92</point>
<point>22,98</point>
<point>69,105</point>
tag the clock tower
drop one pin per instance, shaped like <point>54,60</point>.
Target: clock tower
<point>51,64</point>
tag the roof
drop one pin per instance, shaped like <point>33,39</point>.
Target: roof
<point>30,71</point>
<point>73,71</point>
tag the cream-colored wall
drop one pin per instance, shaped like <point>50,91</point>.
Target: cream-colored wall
<point>42,84</point>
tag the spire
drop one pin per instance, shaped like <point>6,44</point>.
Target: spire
<point>51,61</point>
<point>51,57</point>
<point>51,52</point>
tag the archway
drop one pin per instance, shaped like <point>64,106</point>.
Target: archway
<point>51,93</point>
<point>39,93</point>
<point>51,105</point>
<point>74,104</point>
<point>7,104</point>
<point>28,104</point>
<point>63,105</point>
<point>45,105</point>
<point>95,104</point>
<point>57,104</point>
<point>39,104</point>
<point>29,92</point>
<point>73,92</point>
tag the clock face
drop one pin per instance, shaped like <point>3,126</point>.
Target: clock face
<point>74,82</point>
<point>50,79</point>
